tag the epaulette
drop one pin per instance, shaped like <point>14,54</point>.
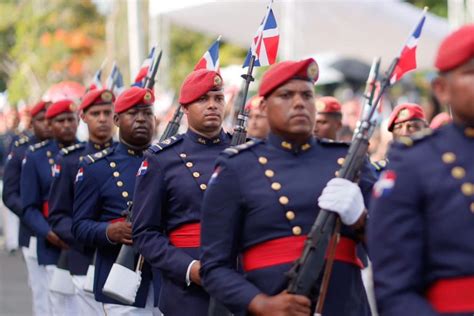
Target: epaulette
<point>22,141</point>
<point>380,165</point>
<point>167,143</point>
<point>409,141</point>
<point>39,145</point>
<point>332,142</point>
<point>90,159</point>
<point>70,149</point>
<point>234,150</point>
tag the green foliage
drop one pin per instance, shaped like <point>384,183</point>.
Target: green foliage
<point>44,42</point>
<point>438,7</point>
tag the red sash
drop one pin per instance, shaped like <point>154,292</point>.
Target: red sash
<point>452,295</point>
<point>186,236</point>
<point>45,209</point>
<point>288,249</point>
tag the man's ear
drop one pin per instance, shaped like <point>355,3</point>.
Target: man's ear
<point>263,105</point>
<point>116,120</point>
<point>440,89</point>
<point>185,109</point>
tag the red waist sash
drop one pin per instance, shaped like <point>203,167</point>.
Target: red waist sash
<point>288,249</point>
<point>45,209</point>
<point>116,220</point>
<point>452,295</point>
<point>186,236</point>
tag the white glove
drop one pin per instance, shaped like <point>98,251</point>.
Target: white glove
<point>344,198</point>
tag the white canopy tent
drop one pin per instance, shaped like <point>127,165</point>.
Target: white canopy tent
<point>360,29</point>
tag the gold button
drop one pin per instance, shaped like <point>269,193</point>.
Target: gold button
<point>407,141</point>
<point>262,160</point>
<point>296,230</point>
<point>276,186</point>
<point>131,152</point>
<point>448,157</point>
<point>283,200</point>
<point>290,215</point>
<point>336,173</point>
<point>119,183</point>
<point>125,194</point>
<point>189,164</point>
<point>196,174</point>
<point>48,153</point>
<point>306,147</point>
<point>472,207</point>
<point>469,132</point>
<point>203,186</point>
<point>97,146</point>
<point>286,145</point>
<point>112,164</point>
<point>467,189</point>
<point>182,155</point>
<point>269,173</point>
<point>51,161</point>
<point>340,161</point>
<point>458,172</point>
<point>116,174</point>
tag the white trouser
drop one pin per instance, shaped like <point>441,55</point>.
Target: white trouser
<point>37,280</point>
<point>11,228</point>
<point>86,301</point>
<point>123,310</point>
<point>61,304</point>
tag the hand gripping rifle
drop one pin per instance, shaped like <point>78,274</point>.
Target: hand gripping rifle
<point>304,274</point>
<point>124,267</point>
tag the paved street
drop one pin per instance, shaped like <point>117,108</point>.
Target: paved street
<point>15,297</point>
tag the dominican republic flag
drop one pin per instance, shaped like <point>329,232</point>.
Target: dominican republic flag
<point>385,183</point>
<point>210,59</point>
<point>143,168</point>
<point>80,174</point>
<point>140,78</point>
<point>96,82</point>
<point>265,43</point>
<point>56,170</point>
<point>407,59</point>
<point>115,81</point>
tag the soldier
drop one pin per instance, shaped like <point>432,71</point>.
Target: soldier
<point>104,185</point>
<point>328,118</point>
<point>261,203</point>
<point>97,112</point>
<point>12,199</point>
<point>257,125</point>
<point>36,178</point>
<point>405,120</point>
<point>422,216</point>
<point>170,188</point>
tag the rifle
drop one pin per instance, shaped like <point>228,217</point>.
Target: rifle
<point>173,125</point>
<point>305,272</point>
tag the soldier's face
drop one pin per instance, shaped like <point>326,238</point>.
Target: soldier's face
<point>327,126</point>
<point>456,89</point>
<point>64,127</point>
<point>257,124</point>
<point>408,128</point>
<point>100,121</point>
<point>40,125</point>
<point>290,109</point>
<point>206,113</point>
<point>136,125</point>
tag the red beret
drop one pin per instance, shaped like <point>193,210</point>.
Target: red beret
<point>456,49</point>
<point>328,105</point>
<point>134,96</point>
<point>40,106</point>
<point>60,107</point>
<point>405,112</point>
<point>284,71</point>
<point>198,83</point>
<point>440,119</point>
<point>253,102</point>
<point>97,96</point>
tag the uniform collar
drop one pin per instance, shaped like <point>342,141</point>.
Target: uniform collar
<point>285,145</point>
<point>195,137</point>
<point>125,150</point>
<point>91,146</point>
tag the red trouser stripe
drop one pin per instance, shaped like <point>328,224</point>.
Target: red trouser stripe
<point>186,236</point>
<point>288,249</point>
<point>452,295</point>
